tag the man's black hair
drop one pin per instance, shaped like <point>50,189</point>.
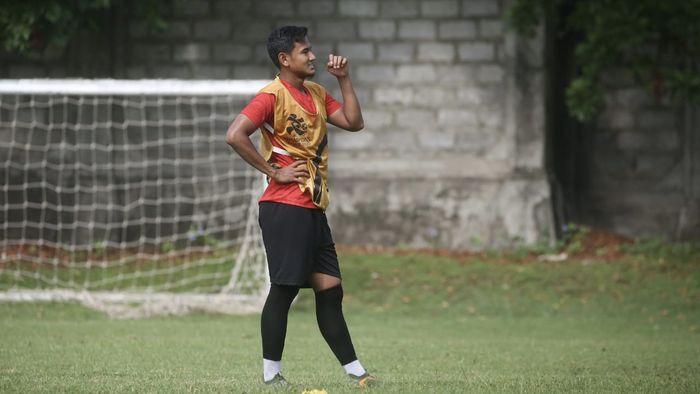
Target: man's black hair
<point>283,39</point>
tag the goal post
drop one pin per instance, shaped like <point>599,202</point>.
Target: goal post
<point>123,195</point>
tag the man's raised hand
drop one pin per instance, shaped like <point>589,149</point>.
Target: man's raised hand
<point>337,65</point>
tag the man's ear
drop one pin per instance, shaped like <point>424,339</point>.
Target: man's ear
<point>283,59</point>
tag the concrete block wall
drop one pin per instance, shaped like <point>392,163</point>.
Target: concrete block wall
<point>644,171</point>
<point>451,155</point>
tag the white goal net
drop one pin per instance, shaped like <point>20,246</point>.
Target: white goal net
<point>124,196</point>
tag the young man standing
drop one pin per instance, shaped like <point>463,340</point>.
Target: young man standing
<point>292,114</point>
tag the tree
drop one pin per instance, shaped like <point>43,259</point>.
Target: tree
<point>658,42</point>
<point>32,25</point>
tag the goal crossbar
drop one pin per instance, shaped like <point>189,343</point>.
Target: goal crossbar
<point>130,87</point>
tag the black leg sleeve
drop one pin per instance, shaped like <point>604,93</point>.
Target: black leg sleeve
<point>329,313</point>
<point>273,322</point>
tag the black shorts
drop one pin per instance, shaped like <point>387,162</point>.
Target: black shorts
<point>298,243</point>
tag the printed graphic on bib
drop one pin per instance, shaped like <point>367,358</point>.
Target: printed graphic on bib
<point>296,124</point>
<point>299,127</point>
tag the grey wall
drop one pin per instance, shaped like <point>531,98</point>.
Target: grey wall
<point>643,170</point>
<point>452,151</point>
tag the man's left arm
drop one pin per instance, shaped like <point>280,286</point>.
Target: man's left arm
<point>349,116</point>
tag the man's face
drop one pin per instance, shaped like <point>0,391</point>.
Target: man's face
<point>301,59</point>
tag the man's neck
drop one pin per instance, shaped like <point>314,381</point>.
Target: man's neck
<point>293,80</point>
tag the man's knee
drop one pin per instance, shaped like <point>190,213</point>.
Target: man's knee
<point>321,282</point>
<point>332,296</point>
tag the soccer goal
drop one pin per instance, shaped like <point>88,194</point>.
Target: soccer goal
<point>123,195</point>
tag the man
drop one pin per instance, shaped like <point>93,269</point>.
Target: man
<point>292,114</point>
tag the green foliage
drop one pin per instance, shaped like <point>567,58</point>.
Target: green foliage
<point>167,247</point>
<point>99,248</point>
<point>35,24</point>
<point>664,251</point>
<point>584,98</point>
<point>572,242</point>
<point>526,15</point>
<point>574,238</point>
<point>199,237</point>
<point>657,42</point>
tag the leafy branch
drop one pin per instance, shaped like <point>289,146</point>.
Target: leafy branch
<point>658,42</point>
<point>32,25</point>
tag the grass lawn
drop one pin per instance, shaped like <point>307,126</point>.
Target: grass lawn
<point>420,323</point>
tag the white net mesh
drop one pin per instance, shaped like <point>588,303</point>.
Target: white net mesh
<point>123,195</point>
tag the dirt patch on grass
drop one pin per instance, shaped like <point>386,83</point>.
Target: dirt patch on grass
<point>601,245</point>
<point>585,244</point>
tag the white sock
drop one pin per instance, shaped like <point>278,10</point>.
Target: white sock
<point>271,368</point>
<point>354,368</point>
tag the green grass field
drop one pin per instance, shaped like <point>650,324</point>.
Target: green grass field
<point>420,323</point>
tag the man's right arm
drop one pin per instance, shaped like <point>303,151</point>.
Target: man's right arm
<point>238,137</point>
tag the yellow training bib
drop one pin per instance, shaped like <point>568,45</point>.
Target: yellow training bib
<point>300,134</point>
